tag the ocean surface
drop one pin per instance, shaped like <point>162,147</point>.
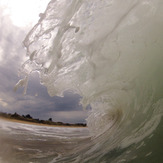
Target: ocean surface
<point>110,52</point>
<point>26,143</point>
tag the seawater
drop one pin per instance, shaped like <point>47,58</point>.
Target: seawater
<point>110,52</point>
<point>26,143</point>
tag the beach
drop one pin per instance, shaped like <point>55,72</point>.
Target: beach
<point>33,123</point>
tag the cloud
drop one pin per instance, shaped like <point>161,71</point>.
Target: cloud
<point>3,103</point>
<point>70,117</point>
<point>12,52</point>
<point>71,102</point>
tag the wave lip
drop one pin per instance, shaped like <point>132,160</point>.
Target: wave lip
<point>110,53</point>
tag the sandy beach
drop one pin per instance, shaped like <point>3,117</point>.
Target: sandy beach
<point>38,124</point>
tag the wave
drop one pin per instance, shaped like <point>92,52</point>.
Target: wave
<point>110,53</point>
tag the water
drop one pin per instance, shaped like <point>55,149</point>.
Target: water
<point>24,143</point>
<point>110,53</point>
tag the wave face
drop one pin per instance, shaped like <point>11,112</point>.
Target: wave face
<point>110,53</point>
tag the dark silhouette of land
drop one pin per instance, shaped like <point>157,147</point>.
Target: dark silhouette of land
<point>28,118</point>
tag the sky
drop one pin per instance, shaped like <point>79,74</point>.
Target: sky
<point>17,17</point>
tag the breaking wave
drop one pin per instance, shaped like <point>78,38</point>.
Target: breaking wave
<point>110,53</point>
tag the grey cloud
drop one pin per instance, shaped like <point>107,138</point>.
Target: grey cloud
<point>71,102</point>
<point>70,117</point>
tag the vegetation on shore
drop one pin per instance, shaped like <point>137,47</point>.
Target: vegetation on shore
<point>28,118</point>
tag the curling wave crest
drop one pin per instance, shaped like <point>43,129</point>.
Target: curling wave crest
<point>110,53</point>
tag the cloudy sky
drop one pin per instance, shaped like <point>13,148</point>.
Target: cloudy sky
<point>16,19</point>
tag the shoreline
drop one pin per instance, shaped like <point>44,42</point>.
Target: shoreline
<point>38,124</point>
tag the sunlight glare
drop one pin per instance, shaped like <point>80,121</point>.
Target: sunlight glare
<point>24,13</point>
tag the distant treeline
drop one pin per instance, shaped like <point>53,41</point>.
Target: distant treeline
<point>28,118</point>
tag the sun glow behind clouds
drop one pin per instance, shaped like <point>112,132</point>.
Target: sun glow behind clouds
<point>3,103</point>
<point>23,12</point>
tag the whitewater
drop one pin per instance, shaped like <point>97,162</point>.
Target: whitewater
<point>110,53</point>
